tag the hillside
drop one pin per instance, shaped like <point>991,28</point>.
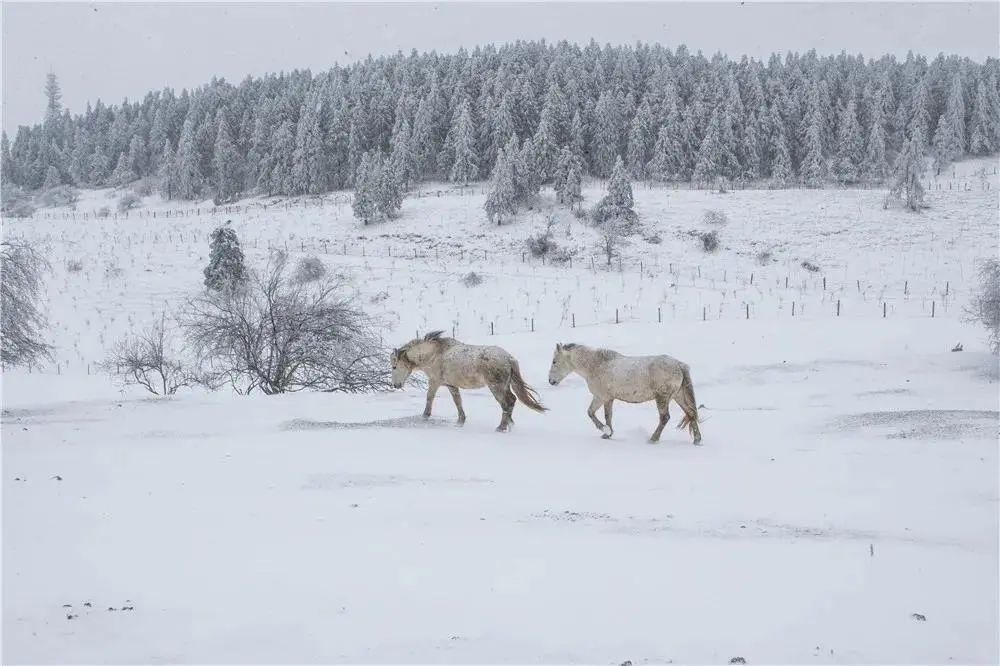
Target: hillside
<point>843,506</point>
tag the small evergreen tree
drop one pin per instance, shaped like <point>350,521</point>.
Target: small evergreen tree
<point>569,178</point>
<point>365,202</point>
<point>52,178</point>
<point>226,269</point>
<point>850,146</point>
<point>503,195</point>
<point>226,165</point>
<point>909,169</point>
<point>465,168</point>
<point>167,172</point>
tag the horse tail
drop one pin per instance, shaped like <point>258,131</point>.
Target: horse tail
<point>524,393</point>
<point>685,398</point>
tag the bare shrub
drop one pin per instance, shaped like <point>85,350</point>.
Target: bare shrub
<point>810,266</point>
<point>472,279</point>
<point>716,217</point>
<point>150,360</point>
<point>614,232</point>
<point>277,335</point>
<point>129,201</point>
<point>21,318</point>
<point>709,241</point>
<point>309,269</point>
<point>74,265</point>
<point>985,306</point>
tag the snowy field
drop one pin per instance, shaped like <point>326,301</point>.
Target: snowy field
<point>843,508</point>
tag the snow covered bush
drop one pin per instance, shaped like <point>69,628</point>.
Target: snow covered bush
<point>715,217</point>
<point>985,306</point>
<point>150,360</point>
<point>128,201</point>
<point>309,269</point>
<point>225,265</point>
<point>709,241</point>
<point>472,279</point>
<point>21,318</point>
<point>277,335</point>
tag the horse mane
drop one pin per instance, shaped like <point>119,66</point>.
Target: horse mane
<point>600,352</point>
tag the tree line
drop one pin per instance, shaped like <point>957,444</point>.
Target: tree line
<point>524,114</point>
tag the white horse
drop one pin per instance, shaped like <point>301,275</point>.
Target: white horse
<point>448,362</point>
<point>612,376</point>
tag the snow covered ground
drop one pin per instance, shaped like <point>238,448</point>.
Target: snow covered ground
<point>843,508</point>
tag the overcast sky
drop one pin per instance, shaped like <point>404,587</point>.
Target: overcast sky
<point>113,51</point>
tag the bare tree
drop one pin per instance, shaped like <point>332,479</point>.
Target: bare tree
<point>21,319</point>
<point>614,232</point>
<point>985,306</point>
<point>279,335</point>
<point>149,360</point>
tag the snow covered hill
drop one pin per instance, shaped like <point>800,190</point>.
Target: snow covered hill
<point>843,508</point>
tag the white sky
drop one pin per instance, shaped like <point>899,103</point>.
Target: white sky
<point>113,51</point>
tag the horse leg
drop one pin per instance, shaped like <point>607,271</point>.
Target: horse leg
<point>592,413</point>
<point>506,399</point>
<point>607,419</point>
<point>663,406</point>
<point>457,397</point>
<point>432,389</point>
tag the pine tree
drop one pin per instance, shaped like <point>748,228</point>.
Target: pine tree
<point>226,269</point>
<point>528,170</point>
<point>850,146</point>
<point>985,119</point>
<point>577,142</point>
<point>813,168</point>
<point>189,177</point>
<point>138,160</point>
<point>7,171</point>
<point>390,188</point>
<point>875,166</point>
<point>716,157</point>
<point>663,165</point>
<point>365,203</point>
<point>619,188</point>
<point>226,165</point>
<point>553,129</point>
<point>606,143</point>
<point>641,139</point>
<point>122,175</point>
<point>465,167</point>
<point>52,178</point>
<point>569,178</point>
<point>503,195</point>
<point>402,155</point>
<point>168,172</point>
<point>906,186</point>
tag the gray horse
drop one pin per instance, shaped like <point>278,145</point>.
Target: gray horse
<point>448,362</point>
<point>612,376</point>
